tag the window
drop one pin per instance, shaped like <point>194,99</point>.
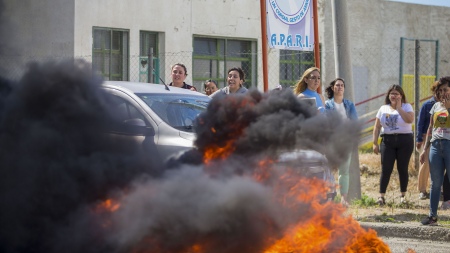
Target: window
<point>110,53</point>
<point>177,110</point>
<point>214,56</point>
<point>124,110</point>
<point>148,40</point>
<point>293,64</point>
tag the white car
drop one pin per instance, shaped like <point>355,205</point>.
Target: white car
<point>156,116</point>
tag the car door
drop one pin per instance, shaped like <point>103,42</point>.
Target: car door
<point>131,132</point>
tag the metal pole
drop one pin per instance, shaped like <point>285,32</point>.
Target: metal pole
<point>344,70</point>
<point>150,65</point>
<point>436,61</point>
<point>342,56</point>
<point>416,96</point>
<point>316,39</point>
<point>400,78</point>
<point>264,43</point>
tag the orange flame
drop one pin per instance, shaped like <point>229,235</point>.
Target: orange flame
<point>107,206</point>
<point>216,152</point>
<point>325,227</point>
<point>322,228</point>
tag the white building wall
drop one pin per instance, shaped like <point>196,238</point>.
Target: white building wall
<point>34,30</point>
<point>178,20</point>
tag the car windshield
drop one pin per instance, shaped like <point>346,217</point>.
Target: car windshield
<point>177,110</point>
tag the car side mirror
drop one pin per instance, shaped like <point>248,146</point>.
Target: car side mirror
<point>138,126</point>
<point>134,122</point>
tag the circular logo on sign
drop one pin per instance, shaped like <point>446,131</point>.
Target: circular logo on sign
<point>290,11</point>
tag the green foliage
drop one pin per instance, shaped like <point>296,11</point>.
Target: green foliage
<point>365,201</point>
<point>385,218</point>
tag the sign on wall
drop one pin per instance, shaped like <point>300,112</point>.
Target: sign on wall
<point>290,24</point>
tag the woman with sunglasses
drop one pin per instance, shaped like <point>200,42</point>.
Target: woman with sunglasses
<point>438,140</point>
<point>307,87</point>
<point>344,107</point>
<point>394,119</point>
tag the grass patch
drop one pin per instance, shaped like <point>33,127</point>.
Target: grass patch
<point>365,201</point>
<point>385,218</point>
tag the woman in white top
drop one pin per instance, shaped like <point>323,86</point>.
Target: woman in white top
<point>394,119</point>
<point>337,103</point>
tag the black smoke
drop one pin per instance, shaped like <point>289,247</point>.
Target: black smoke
<point>56,161</point>
<point>227,210</point>
<point>56,167</point>
<point>272,123</point>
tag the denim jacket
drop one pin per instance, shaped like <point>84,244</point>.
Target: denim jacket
<point>350,108</point>
<point>423,121</point>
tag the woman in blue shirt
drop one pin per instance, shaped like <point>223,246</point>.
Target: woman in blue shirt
<point>307,87</point>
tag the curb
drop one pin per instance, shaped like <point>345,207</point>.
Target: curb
<point>409,230</point>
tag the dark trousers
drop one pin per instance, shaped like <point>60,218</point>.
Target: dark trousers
<point>395,147</point>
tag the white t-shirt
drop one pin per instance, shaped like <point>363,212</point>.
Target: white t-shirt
<point>392,122</point>
<point>340,109</point>
<point>441,122</point>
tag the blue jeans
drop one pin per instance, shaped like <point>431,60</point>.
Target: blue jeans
<point>439,160</point>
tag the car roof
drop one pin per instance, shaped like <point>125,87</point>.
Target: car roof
<point>137,87</point>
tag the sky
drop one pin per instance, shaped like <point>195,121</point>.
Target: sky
<point>426,2</point>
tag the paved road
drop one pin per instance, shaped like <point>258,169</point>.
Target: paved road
<point>401,245</point>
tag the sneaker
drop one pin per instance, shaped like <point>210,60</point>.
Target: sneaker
<point>430,221</point>
<point>402,200</point>
<point>381,201</point>
<point>423,195</point>
<point>445,205</point>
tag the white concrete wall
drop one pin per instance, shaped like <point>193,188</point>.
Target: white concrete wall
<point>39,28</point>
<point>34,31</point>
<point>178,20</point>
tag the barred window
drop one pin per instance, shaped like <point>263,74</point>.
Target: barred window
<point>214,56</point>
<point>293,64</point>
<point>110,53</point>
<point>148,40</point>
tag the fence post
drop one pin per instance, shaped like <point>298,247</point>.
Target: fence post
<point>150,65</point>
<point>400,78</point>
<point>436,61</point>
<point>416,97</point>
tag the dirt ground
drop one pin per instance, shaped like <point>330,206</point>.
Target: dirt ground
<point>413,211</point>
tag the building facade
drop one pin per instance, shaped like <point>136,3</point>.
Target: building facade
<point>209,37</point>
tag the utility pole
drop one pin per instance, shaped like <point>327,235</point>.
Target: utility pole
<point>416,95</point>
<point>344,70</point>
